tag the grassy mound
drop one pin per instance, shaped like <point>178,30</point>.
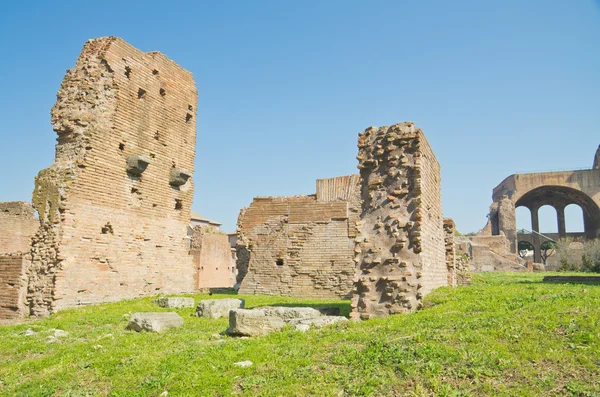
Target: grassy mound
<point>506,334</point>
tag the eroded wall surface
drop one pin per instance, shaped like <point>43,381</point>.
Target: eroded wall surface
<point>212,259</point>
<point>303,245</point>
<point>449,228</point>
<point>17,226</point>
<point>400,249</point>
<point>115,204</point>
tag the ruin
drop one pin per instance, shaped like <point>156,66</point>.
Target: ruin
<point>212,258</point>
<point>400,249</point>
<point>115,205</point>
<point>534,190</point>
<point>302,245</point>
<point>17,225</point>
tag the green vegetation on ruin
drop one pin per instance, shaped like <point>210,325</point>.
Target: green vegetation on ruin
<point>506,334</point>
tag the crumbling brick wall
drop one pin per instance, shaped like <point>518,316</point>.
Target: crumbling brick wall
<point>400,249</point>
<point>17,226</point>
<point>302,245</point>
<point>115,204</point>
<point>449,229</point>
<point>13,286</point>
<point>212,258</point>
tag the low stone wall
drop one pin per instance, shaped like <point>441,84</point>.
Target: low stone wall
<point>12,286</point>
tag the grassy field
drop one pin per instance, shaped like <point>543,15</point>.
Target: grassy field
<point>506,334</point>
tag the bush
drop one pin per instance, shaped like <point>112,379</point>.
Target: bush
<point>584,258</point>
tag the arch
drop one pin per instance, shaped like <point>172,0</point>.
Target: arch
<point>574,219</point>
<point>560,197</point>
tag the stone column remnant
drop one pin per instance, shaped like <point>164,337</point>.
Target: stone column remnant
<point>115,205</point>
<point>400,250</point>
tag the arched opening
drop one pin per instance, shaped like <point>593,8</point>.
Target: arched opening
<point>548,219</point>
<point>526,250</point>
<point>574,219</point>
<point>523,215</point>
<point>561,197</point>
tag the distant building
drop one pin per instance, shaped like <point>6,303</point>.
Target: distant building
<point>199,220</point>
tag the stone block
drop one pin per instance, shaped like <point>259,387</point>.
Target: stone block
<point>154,321</point>
<point>291,313</point>
<point>244,322</point>
<point>304,324</point>
<point>216,308</point>
<point>175,303</point>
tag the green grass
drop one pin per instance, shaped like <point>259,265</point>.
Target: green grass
<point>506,334</point>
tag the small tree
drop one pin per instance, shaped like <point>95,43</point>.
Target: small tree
<point>547,249</point>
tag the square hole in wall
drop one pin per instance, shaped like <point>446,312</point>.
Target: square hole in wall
<point>178,204</point>
<point>141,93</point>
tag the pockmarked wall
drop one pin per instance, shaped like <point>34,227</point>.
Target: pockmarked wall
<point>115,205</point>
<point>400,249</point>
<point>302,245</point>
<point>17,226</point>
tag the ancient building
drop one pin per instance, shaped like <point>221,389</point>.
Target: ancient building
<point>302,245</point>
<point>115,205</point>
<point>534,190</point>
<point>17,225</point>
<point>400,250</point>
<point>212,257</point>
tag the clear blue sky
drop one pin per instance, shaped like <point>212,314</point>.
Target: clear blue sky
<point>284,87</point>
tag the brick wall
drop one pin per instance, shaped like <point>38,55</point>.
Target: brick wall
<point>17,226</point>
<point>212,259</point>
<point>400,249</point>
<point>449,228</point>
<point>115,205</point>
<point>302,245</point>
<point>12,286</point>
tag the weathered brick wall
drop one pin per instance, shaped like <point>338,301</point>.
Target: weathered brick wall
<point>449,228</point>
<point>12,286</point>
<point>115,204</point>
<point>302,245</point>
<point>400,249</point>
<point>212,258</point>
<point>17,226</point>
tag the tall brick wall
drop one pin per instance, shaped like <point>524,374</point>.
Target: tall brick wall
<point>17,226</point>
<point>302,245</point>
<point>212,258</point>
<point>115,204</point>
<point>13,286</point>
<point>400,249</point>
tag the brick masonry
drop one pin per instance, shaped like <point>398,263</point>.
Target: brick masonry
<point>400,250</point>
<point>17,226</point>
<point>302,245</point>
<point>13,286</point>
<point>115,205</point>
